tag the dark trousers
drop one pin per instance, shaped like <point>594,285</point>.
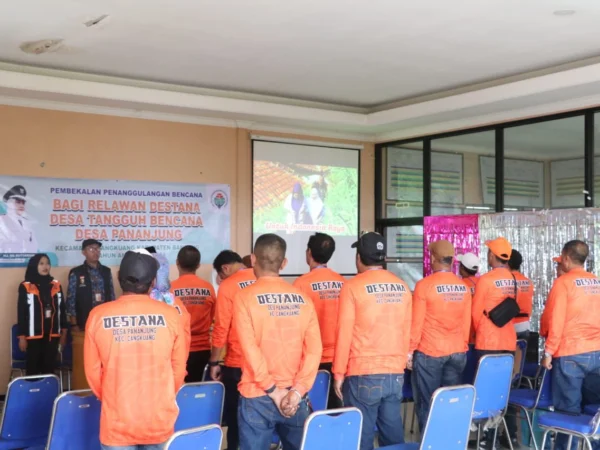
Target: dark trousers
<point>333,401</point>
<point>41,356</point>
<point>379,399</point>
<point>430,374</point>
<point>231,376</point>
<point>258,418</point>
<point>568,376</point>
<point>196,363</point>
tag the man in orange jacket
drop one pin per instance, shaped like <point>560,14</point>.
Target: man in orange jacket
<point>524,295</point>
<point>492,289</point>
<point>198,296</point>
<point>573,343</point>
<point>134,355</point>
<point>323,286</point>
<point>235,276</point>
<point>441,322</point>
<point>373,336</point>
<point>281,344</point>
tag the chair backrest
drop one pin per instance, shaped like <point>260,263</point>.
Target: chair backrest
<point>319,393</point>
<point>200,404</point>
<point>520,358</point>
<point>209,437</point>
<point>17,354</point>
<point>334,429</point>
<point>545,387</point>
<point>492,385</point>
<point>449,421</point>
<point>75,422</point>
<point>206,373</point>
<point>28,407</point>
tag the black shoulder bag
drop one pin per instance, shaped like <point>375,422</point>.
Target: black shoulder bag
<point>505,311</point>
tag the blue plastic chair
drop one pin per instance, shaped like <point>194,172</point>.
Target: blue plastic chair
<point>75,422</point>
<point>334,429</point>
<point>66,362</point>
<point>449,421</point>
<point>591,409</point>
<point>17,356</point>
<point>528,400</point>
<point>319,393</point>
<point>492,387</point>
<point>578,426</point>
<point>27,411</point>
<point>200,404</point>
<point>209,437</point>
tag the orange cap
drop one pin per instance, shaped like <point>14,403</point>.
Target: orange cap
<point>557,259</point>
<point>500,247</point>
<point>442,249</point>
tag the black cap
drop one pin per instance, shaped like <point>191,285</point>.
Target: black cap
<point>371,246</point>
<point>89,242</point>
<point>17,191</point>
<point>138,267</point>
<point>151,249</point>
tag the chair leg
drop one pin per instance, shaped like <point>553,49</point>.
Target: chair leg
<point>69,380</point>
<point>531,433</point>
<point>588,442</point>
<point>495,437</point>
<point>478,435</point>
<point>507,433</point>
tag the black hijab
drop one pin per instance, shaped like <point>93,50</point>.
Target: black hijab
<point>43,282</point>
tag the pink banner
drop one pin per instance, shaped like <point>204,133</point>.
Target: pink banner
<point>462,231</point>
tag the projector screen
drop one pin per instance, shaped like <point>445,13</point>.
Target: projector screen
<point>301,189</point>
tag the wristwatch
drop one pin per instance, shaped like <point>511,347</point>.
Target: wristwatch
<point>270,390</point>
<point>213,363</point>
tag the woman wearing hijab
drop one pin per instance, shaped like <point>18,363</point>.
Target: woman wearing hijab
<point>316,208</point>
<point>295,203</point>
<point>42,317</point>
<point>162,292</point>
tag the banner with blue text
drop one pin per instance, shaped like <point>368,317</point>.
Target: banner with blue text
<point>54,216</point>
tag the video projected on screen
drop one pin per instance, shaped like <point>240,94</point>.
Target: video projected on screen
<point>299,190</point>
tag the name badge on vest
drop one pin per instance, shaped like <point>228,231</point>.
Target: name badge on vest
<point>82,281</point>
<point>97,298</point>
<point>48,312</point>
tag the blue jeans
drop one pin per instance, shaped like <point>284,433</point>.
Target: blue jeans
<point>134,447</point>
<point>568,376</point>
<point>431,373</point>
<point>379,398</point>
<point>258,418</point>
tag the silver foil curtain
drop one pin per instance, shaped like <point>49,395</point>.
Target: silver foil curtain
<point>540,236</point>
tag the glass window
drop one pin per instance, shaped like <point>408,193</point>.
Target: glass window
<point>405,252</point>
<point>403,182</point>
<point>544,165</point>
<point>463,174</point>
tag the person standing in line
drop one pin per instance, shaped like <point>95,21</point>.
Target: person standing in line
<point>162,292</point>
<point>468,268</point>
<point>247,261</point>
<point>492,289</point>
<point>90,285</point>
<point>323,286</point>
<point>42,318</point>
<point>236,277</point>
<point>16,232</point>
<point>281,346</point>
<point>198,296</point>
<point>524,296</point>
<point>135,357</point>
<point>373,336</point>
<point>441,322</point>
<point>572,348</point>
